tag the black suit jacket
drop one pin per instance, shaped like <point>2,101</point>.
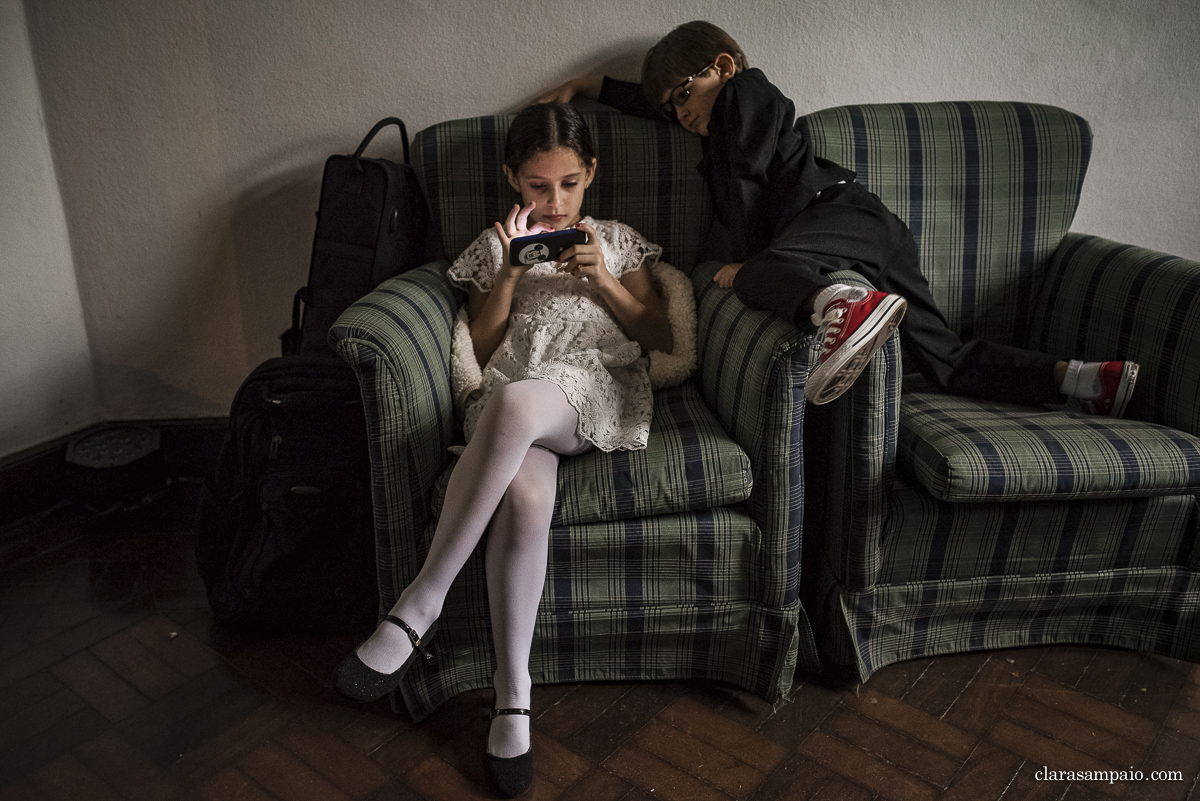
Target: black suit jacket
<point>760,171</point>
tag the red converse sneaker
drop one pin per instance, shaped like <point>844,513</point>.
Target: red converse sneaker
<point>1116,382</point>
<point>852,329</point>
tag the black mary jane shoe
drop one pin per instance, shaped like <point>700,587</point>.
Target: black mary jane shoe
<point>357,682</point>
<point>510,776</point>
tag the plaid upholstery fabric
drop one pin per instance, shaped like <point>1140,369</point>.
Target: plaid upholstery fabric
<point>674,599</point>
<point>1143,609</point>
<point>1103,300</point>
<point>850,468</point>
<point>927,540</point>
<point>962,449</point>
<point>648,592</point>
<point>397,339</point>
<point>987,188</point>
<point>751,370</point>
<point>968,576</point>
<point>646,178</point>
<point>689,464</point>
<point>893,572</point>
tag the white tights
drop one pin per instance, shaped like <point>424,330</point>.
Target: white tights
<point>504,483</point>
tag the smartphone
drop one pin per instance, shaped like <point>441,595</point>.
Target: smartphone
<point>538,248</point>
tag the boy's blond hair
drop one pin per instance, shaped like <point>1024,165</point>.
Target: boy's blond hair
<point>685,51</point>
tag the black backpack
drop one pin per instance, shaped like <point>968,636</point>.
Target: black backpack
<point>285,540</point>
<point>284,534</point>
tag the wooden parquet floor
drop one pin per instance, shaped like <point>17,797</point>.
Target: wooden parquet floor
<point>115,684</point>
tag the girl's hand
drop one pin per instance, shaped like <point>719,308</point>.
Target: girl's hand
<point>587,261</point>
<point>517,224</point>
<point>725,275</point>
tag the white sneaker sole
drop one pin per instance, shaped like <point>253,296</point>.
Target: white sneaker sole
<point>839,372</point>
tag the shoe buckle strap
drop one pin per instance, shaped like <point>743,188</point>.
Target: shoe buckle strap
<point>495,713</point>
<point>407,629</point>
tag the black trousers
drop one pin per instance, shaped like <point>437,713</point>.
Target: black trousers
<point>848,228</point>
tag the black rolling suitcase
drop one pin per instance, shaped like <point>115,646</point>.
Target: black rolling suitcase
<point>284,534</point>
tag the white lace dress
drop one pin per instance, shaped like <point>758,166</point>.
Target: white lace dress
<point>561,330</point>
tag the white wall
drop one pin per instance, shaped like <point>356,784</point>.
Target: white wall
<point>189,136</point>
<point>46,384</point>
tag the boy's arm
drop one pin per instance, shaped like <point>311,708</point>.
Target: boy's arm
<point>566,92</point>
<point>627,97</point>
<point>624,96</point>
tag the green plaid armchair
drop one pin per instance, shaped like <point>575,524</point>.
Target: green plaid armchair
<point>681,560</point>
<point>939,524</point>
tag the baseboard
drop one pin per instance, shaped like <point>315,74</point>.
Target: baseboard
<point>39,479</point>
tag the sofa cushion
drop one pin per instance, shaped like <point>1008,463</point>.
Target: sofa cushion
<point>689,464</point>
<point>961,449</point>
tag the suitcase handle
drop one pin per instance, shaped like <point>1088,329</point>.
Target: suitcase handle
<point>291,338</point>
<point>379,126</point>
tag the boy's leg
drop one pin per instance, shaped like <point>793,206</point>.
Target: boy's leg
<point>848,228</point>
<point>975,368</point>
<point>784,279</point>
<point>990,371</point>
<point>792,279</point>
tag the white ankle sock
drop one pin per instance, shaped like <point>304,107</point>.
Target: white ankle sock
<point>1082,380</point>
<point>833,292</point>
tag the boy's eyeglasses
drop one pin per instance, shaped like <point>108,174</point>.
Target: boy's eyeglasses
<point>680,94</point>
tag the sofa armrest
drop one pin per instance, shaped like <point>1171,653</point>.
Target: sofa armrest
<point>850,468</point>
<point>851,446</point>
<point>841,457</point>
<point>1107,300</point>
<point>397,340</point>
<point>751,371</point>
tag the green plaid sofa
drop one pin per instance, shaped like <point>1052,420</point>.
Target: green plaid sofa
<point>681,560</point>
<point>938,524</point>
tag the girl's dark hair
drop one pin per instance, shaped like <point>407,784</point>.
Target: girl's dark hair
<point>543,127</point>
<point>683,52</point>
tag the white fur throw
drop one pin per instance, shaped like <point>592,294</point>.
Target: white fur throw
<point>465,373</point>
<point>670,369</point>
<point>666,369</point>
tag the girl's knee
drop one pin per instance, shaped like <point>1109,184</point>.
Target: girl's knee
<point>535,409</point>
<point>532,493</point>
<point>515,403</point>
<point>530,412</point>
<point>528,502</point>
